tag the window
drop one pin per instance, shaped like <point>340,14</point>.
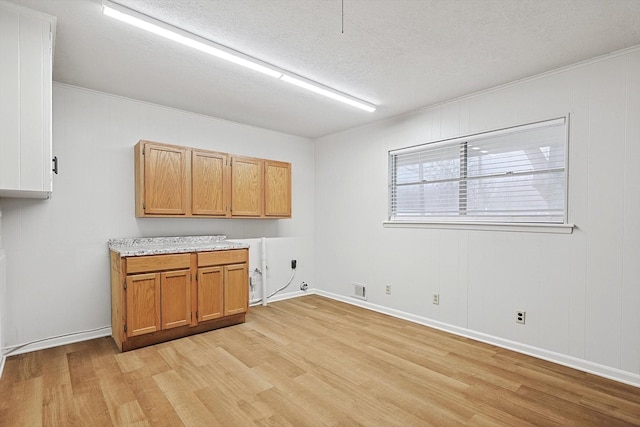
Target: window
<point>514,175</point>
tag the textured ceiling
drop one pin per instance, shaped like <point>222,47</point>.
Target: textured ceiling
<point>398,54</point>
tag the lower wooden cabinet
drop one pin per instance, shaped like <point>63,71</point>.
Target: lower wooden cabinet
<point>210,293</point>
<point>236,293</point>
<point>222,284</point>
<point>142,304</point>
<point>161,297</point>
<point>175,301</point>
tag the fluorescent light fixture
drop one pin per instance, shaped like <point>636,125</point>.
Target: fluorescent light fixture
<point>161,29</point>
<point>178,35</point>
<point>328,92</point>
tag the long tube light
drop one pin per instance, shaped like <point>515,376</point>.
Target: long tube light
<point>201,44</point>
<point>328,92</point>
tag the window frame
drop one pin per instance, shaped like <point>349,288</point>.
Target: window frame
<point>477,223</point>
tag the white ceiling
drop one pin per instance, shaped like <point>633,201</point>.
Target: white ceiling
<point>398,54</point>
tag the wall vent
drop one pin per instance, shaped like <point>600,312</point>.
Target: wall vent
<point>359,291</point>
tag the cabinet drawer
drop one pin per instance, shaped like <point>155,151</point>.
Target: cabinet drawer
<point>142,264</point>
<point>222,257</point>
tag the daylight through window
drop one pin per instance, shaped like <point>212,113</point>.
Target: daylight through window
<point>514,175</point>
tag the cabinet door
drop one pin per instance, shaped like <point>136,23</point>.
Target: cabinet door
<point>143,304</point>
<point>209,185</point>
<point>210,293</point>
<point>277,189</point>
<point>25,102</point>
<point>236,289</point>
<point>165,180</point>
<point>176,298</point>
<point>246,186</point>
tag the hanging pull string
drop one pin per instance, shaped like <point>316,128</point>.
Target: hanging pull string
<point>342,16</point>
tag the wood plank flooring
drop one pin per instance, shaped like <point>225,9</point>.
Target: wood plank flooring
<point>309,361</point>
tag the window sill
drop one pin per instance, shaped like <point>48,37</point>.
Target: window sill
<point>485,226</point>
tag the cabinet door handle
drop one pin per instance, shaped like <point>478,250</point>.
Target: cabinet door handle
<point>55,165</point>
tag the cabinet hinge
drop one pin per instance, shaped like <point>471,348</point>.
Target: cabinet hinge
<point>196,314</point>
<point>144,205</point>
<point>125,327</point>
<point>124,285</point>
<point>196,277</point>
<point>143,148</point>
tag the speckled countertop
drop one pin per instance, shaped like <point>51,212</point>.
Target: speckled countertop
<point>172,245</point>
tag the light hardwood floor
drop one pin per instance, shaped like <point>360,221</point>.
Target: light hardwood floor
<point>309,361</point>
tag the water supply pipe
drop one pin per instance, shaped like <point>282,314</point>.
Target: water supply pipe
<point>263,266</point>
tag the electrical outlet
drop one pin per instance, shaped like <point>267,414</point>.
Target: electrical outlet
<point>436,299</point>
<point>520,316</point>
<point>304,286</point>
<point>387,290</point>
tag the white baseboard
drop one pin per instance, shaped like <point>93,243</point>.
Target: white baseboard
<point>559,358</point>
<point>56,341</point>
<point>551,356</point>
<point>99,333</point>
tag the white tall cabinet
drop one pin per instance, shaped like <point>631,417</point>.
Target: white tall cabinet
<point>26,53</point>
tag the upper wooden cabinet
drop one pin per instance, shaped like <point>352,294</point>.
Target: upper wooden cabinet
<point>26,40</point>
<point>277,189</point>
<point>247,187</point>
<point>165,180</point>
<point>209,183</point>
<point>185,182</point>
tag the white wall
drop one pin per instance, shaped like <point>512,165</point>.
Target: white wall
<point>581,291</point>
<point>2,297</point>
<point>57,257</point>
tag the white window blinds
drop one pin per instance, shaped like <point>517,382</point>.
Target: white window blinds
<point>510,175</point>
